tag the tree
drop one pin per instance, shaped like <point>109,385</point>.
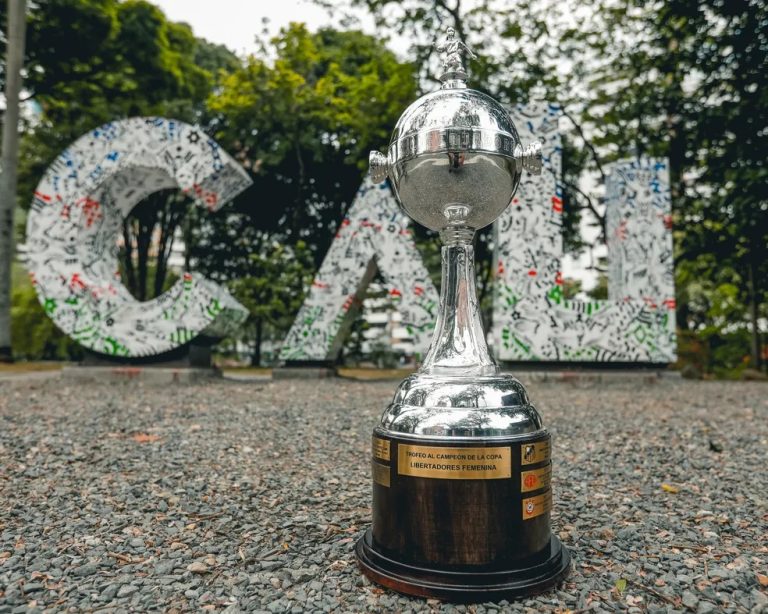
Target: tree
<point>519,48</point>
<point>679,79</point>
<point>273,292</point>
<point>162,212</point>
<point>9,159</point>
<point>303,126</point>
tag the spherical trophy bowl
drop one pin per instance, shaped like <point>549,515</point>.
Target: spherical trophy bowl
<point>455,159</point>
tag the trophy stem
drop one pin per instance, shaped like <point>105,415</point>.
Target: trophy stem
<point>458,346</point>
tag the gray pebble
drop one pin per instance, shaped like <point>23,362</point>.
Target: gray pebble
<point>689,599</point>
<point>86,570</point>
<point>127,590</point>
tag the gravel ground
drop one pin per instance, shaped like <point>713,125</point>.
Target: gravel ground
<point>249,496</point>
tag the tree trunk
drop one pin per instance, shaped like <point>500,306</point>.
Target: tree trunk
<point>754,315</point>
<point>146,219</point>
<point>256,356</point>
<point>165,214</point>
<point>161,211</point>
<point>130,273</point>
<point>174,211</point>
<point>143,241</point>
<point>9,159</point>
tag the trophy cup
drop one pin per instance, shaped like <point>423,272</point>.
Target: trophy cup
<point>461,461</point>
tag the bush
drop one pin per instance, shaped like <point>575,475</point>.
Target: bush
<point>726,355</point>
<point>33,333</point>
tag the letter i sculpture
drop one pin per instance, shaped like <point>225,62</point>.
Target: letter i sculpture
<point>461,461</point>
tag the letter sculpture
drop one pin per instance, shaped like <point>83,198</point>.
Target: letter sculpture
<point>532,319</point>
<point>75,220</point>
<point>374,232</point>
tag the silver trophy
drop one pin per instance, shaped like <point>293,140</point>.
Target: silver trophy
<point>461,461</point>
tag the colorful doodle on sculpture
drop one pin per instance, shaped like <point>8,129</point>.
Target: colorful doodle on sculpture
<point>75,220</point>
<point>639,233</point>
<point>532,319</point>
<point>374,233</point>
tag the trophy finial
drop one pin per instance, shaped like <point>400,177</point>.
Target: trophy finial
<point>453,48</point>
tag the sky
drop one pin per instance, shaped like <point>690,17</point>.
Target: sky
<point>235,23</point>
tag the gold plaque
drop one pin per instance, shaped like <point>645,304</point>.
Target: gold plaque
<point>535,479</point>
<point>380,473</point>
<point>536,506</point>
<point>454,463</point>
<point>534,452</point>
<point>380,448</point>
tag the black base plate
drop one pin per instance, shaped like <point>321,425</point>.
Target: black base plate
<point>464,586</point>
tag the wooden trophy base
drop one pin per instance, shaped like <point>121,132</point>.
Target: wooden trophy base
<point>464,519</point>
<point>464,586</point>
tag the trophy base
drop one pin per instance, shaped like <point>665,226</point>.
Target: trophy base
<point>464,586</point>
<point>463,519</point>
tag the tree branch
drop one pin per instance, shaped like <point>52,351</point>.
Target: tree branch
<point>587,143</point>
<point>591,206</point>
<point>455,13</point>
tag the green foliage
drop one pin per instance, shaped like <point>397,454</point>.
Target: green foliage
<point>729,352</point>
<point>108,58</point>
<point>680,79</point>
<point>383,356</point>
<point>34,335</point>
<point>687,81</point>
<point>571,287</point>
<point>600,291</point>
<point>217,60</point>
<point>273,291</point>
<point>303,125</point>
<point>683,79</point>
<point>518,56</point>
<point>714,351</point>
<point>693,356</point>
<point>520,48</point>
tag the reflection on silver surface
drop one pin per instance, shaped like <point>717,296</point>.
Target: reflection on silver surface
<point>458,345</point>
<point>455,160</point>
<point>455,407</point>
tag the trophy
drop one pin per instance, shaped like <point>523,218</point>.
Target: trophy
<point>460,461</point>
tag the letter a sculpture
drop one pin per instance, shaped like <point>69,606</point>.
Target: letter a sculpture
<point>461,462</point>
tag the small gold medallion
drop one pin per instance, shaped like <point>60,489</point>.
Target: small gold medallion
<point>536,506</point>
<point>535,479</point>
<point>532,453</point>
<point>380,448</point>
<point>454,463</point>
<point>380,473</point>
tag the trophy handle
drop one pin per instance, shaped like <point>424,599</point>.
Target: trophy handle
<point>378,166</point>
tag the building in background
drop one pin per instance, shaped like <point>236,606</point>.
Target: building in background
<point>384,331</point>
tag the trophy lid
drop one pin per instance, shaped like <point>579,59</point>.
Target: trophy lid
<point>455,146</point>
<point>453,119</point>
